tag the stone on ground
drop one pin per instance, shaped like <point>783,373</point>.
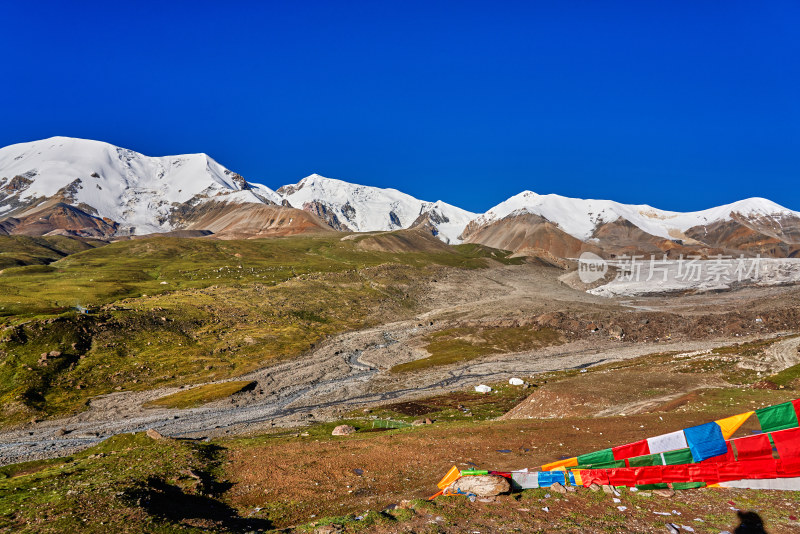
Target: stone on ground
<point>343,430</point>
<point>154,434</point>
<point>481,485</point>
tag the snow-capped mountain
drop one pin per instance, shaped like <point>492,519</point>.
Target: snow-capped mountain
<point>359,208</point>
<point>580,218</point>
<point>746,223</point>
<point>137,192</point>
<point>94,189</point>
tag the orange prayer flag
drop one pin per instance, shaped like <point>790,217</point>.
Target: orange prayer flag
<point>569,462</point>
<point>729,425</point>
<point>451,476</point>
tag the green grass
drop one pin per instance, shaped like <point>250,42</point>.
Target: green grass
<point>128,483</point>
<point>201,395</point>
<point>786,377</point>
<point>455,345</point>
<point>19,250</point>
<point>128,269</point>
<point>172,312</point>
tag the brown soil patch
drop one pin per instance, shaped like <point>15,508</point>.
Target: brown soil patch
<point>409,408</point>
<point>297,480</point>
<point>620,391</point>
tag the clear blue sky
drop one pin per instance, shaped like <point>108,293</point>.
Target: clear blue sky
<point>682,105</point>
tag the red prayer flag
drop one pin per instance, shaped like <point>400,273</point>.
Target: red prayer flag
<point>675,473</point>
<point>731,471</point>
<point>704,473</point>
<point>622,476</point>
<point>752,447</point>
<point>727,457</point>
<point>787,442</point>
<point>594,476</point>
<point>650,474</point>
<point>789,467</point>
<point>638,448</point>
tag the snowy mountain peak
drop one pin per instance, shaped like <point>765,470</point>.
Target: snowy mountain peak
<point>111,190</point>
<point>361,208</point>
<point>581,217</point>
<point>137,191</point>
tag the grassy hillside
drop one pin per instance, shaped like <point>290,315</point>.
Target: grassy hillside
<point>177,311</point>
<point>146,267</point>
<point>19,250</point>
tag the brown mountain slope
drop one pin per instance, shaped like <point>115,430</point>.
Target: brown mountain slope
<point>231,221</point>
<point>622,237</point>
<point>413,240</point>
<point>746,237</point>
<point>527,233</point>
<point>58,218</point>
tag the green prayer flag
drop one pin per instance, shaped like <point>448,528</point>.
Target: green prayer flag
<point>597,457</point>
<point>778,417</point>
<point>688,485</point>
<point>681,456</point>
<point>646,460</point>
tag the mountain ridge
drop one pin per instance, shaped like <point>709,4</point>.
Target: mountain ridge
<point>89,188</point>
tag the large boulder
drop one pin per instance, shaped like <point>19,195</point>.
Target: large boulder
<point>155,435</point>
<point>481,485</point>
<point>343,430</point>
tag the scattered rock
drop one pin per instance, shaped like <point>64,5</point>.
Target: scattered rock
<point>483,388</point>
<point>328,529</point>
<point>765,384</point>
<point>595,487</point>
<point>664,492</point>
<point>154,435</point>
<point>343,430</point>
<point>616,332</point>
<point>516,381</point>
<point>645,494</point>
<point>558,488</point>
<point>191,473</point>
<point>54,353</point>
<point>481,485</point>
<point>608,489</point>
<point>61,432</point>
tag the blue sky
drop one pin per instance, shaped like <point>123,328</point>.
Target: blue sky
<point>682,105</point>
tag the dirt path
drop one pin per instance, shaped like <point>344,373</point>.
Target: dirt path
<point>783,354</point>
